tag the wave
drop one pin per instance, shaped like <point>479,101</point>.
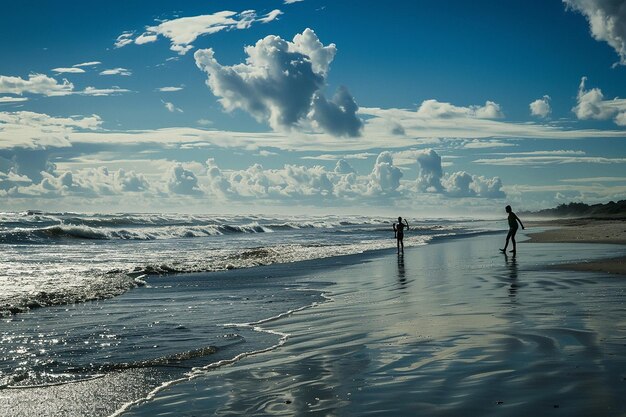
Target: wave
<point>24,228</point>
<point>64,231</point>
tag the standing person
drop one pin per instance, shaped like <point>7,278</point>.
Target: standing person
<point>513,219</point>
<point>398,228</point>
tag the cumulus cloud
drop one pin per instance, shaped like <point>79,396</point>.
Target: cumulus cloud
<point>116,71</point>
<point>440,110</point>
<point>12,180</point>
<point>592,105</point>
<point>457,184</point>
<point>182,181</point>
<point>281,83</point>
<point>607,21</point>
<point>430,174</point>
<point>28,163</point>
<point>91,182</point>
<point>385,177</point>
<point>182,32</point>
<point>541,107</point>
<point>337,116</point>
<point>71,70</point>
<point>344,167</point>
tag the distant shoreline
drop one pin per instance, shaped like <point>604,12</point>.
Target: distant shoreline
<point>585,230</point>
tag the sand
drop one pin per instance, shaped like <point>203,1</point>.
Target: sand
<point>585,231</point>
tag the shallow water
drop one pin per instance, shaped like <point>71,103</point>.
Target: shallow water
<point>450,329</point>
<point>62,258</point>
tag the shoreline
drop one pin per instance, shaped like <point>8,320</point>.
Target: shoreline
<point>603,231</point>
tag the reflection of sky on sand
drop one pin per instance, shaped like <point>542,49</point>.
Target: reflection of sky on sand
<point>455,340</point>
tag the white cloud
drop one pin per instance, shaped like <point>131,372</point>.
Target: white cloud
<point>485,144</point>
<point>457,184</point>
<point>205,122</point>
<point>541,107</point>
<point>88,64</point>
<point>71,70</point>
<point>92,182</point>
<point>36,130</point>
<point>431,127</point>
<point>124,39</point>
<point>182,32</point>
<point>595,179</point>
<point>385,177</point>
<point>171,107</point>
<point>591,105</point>
<point>343,167</point>
<point>607,21</point>
<point>281,83</point>
<point>93,91</point>
<point>145,38</point>
<point>35,84</point>
<point>548,160</point>
<point>558,152</point>
<point>117,71</point>
<point>169,89</point>
<point>436,109</point>
<point>182,181</point>
<point>430,174</point>
<point>47,86</point>
<point>7,99</point>
<point>270,16</point>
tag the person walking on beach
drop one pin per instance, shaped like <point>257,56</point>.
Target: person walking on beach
<point>513,219</point>
<point>398,229</point>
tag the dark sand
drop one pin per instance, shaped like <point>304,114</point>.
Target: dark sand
<point>585,231</point>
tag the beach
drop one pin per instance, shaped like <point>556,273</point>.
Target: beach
<point>586,231</point>
<point>450,328</point>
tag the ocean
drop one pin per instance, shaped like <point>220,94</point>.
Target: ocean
<point>88,297</point>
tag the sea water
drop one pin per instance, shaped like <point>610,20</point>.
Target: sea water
<point>206,287</point>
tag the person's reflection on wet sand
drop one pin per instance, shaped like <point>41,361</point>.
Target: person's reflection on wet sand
<point>401,272</point>
<point>511,264</point>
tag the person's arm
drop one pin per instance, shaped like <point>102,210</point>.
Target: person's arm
<point>520,222</point>
<point>407,224</point>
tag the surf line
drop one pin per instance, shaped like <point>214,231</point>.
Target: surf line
<point>255,326</point>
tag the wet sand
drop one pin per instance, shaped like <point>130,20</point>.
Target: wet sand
<point>585,231</point>
<point>450,329</point>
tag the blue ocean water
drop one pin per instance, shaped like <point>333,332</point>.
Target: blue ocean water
<point>87,295</point>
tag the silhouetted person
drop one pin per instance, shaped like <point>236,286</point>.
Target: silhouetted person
<point>398,228</point>
<point>513,219</point>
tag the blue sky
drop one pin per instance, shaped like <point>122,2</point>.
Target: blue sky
<point>349,106</point>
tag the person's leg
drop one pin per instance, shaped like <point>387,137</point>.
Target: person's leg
<point>513,239</point>
<point>398,244</point>
<point>506,244</point>
<point>402,243</point>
